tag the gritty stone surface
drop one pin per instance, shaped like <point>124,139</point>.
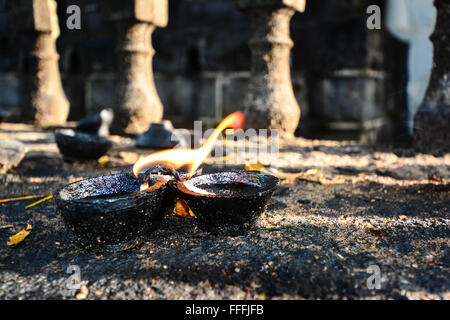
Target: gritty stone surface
<point>340,208</point>
<point>11,153</point>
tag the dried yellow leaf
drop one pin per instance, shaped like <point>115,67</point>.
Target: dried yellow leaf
<point>182,209</point>
<point>313,171</point>
<point>6,226</point>
<point>256,166</point>
<point>260,167</point>
<point>18,237</point>
<point>313,175</point>
<point>102,161</point>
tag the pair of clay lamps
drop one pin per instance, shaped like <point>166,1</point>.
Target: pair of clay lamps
<point>88,141</point>
<point>117,212</point>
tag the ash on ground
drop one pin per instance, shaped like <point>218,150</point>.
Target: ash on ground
<point>342,208</point>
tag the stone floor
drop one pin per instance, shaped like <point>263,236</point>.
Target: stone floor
<point>340,208</point>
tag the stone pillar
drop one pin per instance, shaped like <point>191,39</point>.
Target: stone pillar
<point>44,99</point>
<point>270,101</point>
<point>137,103</point>
<point>432,120</point>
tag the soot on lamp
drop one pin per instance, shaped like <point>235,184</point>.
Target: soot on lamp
<point>111,213</point>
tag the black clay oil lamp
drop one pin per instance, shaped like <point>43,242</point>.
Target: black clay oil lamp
<point>228,202</point>
<point>112,213</point>
<point>81,146</point>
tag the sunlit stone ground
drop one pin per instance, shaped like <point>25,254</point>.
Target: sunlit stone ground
<point>340,208</point>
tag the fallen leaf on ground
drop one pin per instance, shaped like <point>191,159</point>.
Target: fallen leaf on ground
<point>182,209</point>
<point>6,226</point>
<point>19,236</point>
<point>260,167</point>
<point>102,161</point>
<point>257,167</point>
<point>312,171</point>
<point>313,175</point>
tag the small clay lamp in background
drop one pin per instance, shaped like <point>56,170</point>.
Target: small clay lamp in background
<point>88,141</point>
<point>98,123</point>
<point>160,135</point>
<point>80,146</point>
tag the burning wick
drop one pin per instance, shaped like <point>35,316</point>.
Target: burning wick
<point>144,186</point>
<point>191,158</point>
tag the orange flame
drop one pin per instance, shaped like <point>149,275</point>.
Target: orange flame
<point>191,158</point>
<point>144,186</point>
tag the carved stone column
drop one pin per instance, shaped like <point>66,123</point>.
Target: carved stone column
<point>44,100</point>
<point>432,120</point>
<point>270,101</point>
<point>137,103</point>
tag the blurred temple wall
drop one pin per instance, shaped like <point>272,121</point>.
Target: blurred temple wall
<point>349,81</point>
